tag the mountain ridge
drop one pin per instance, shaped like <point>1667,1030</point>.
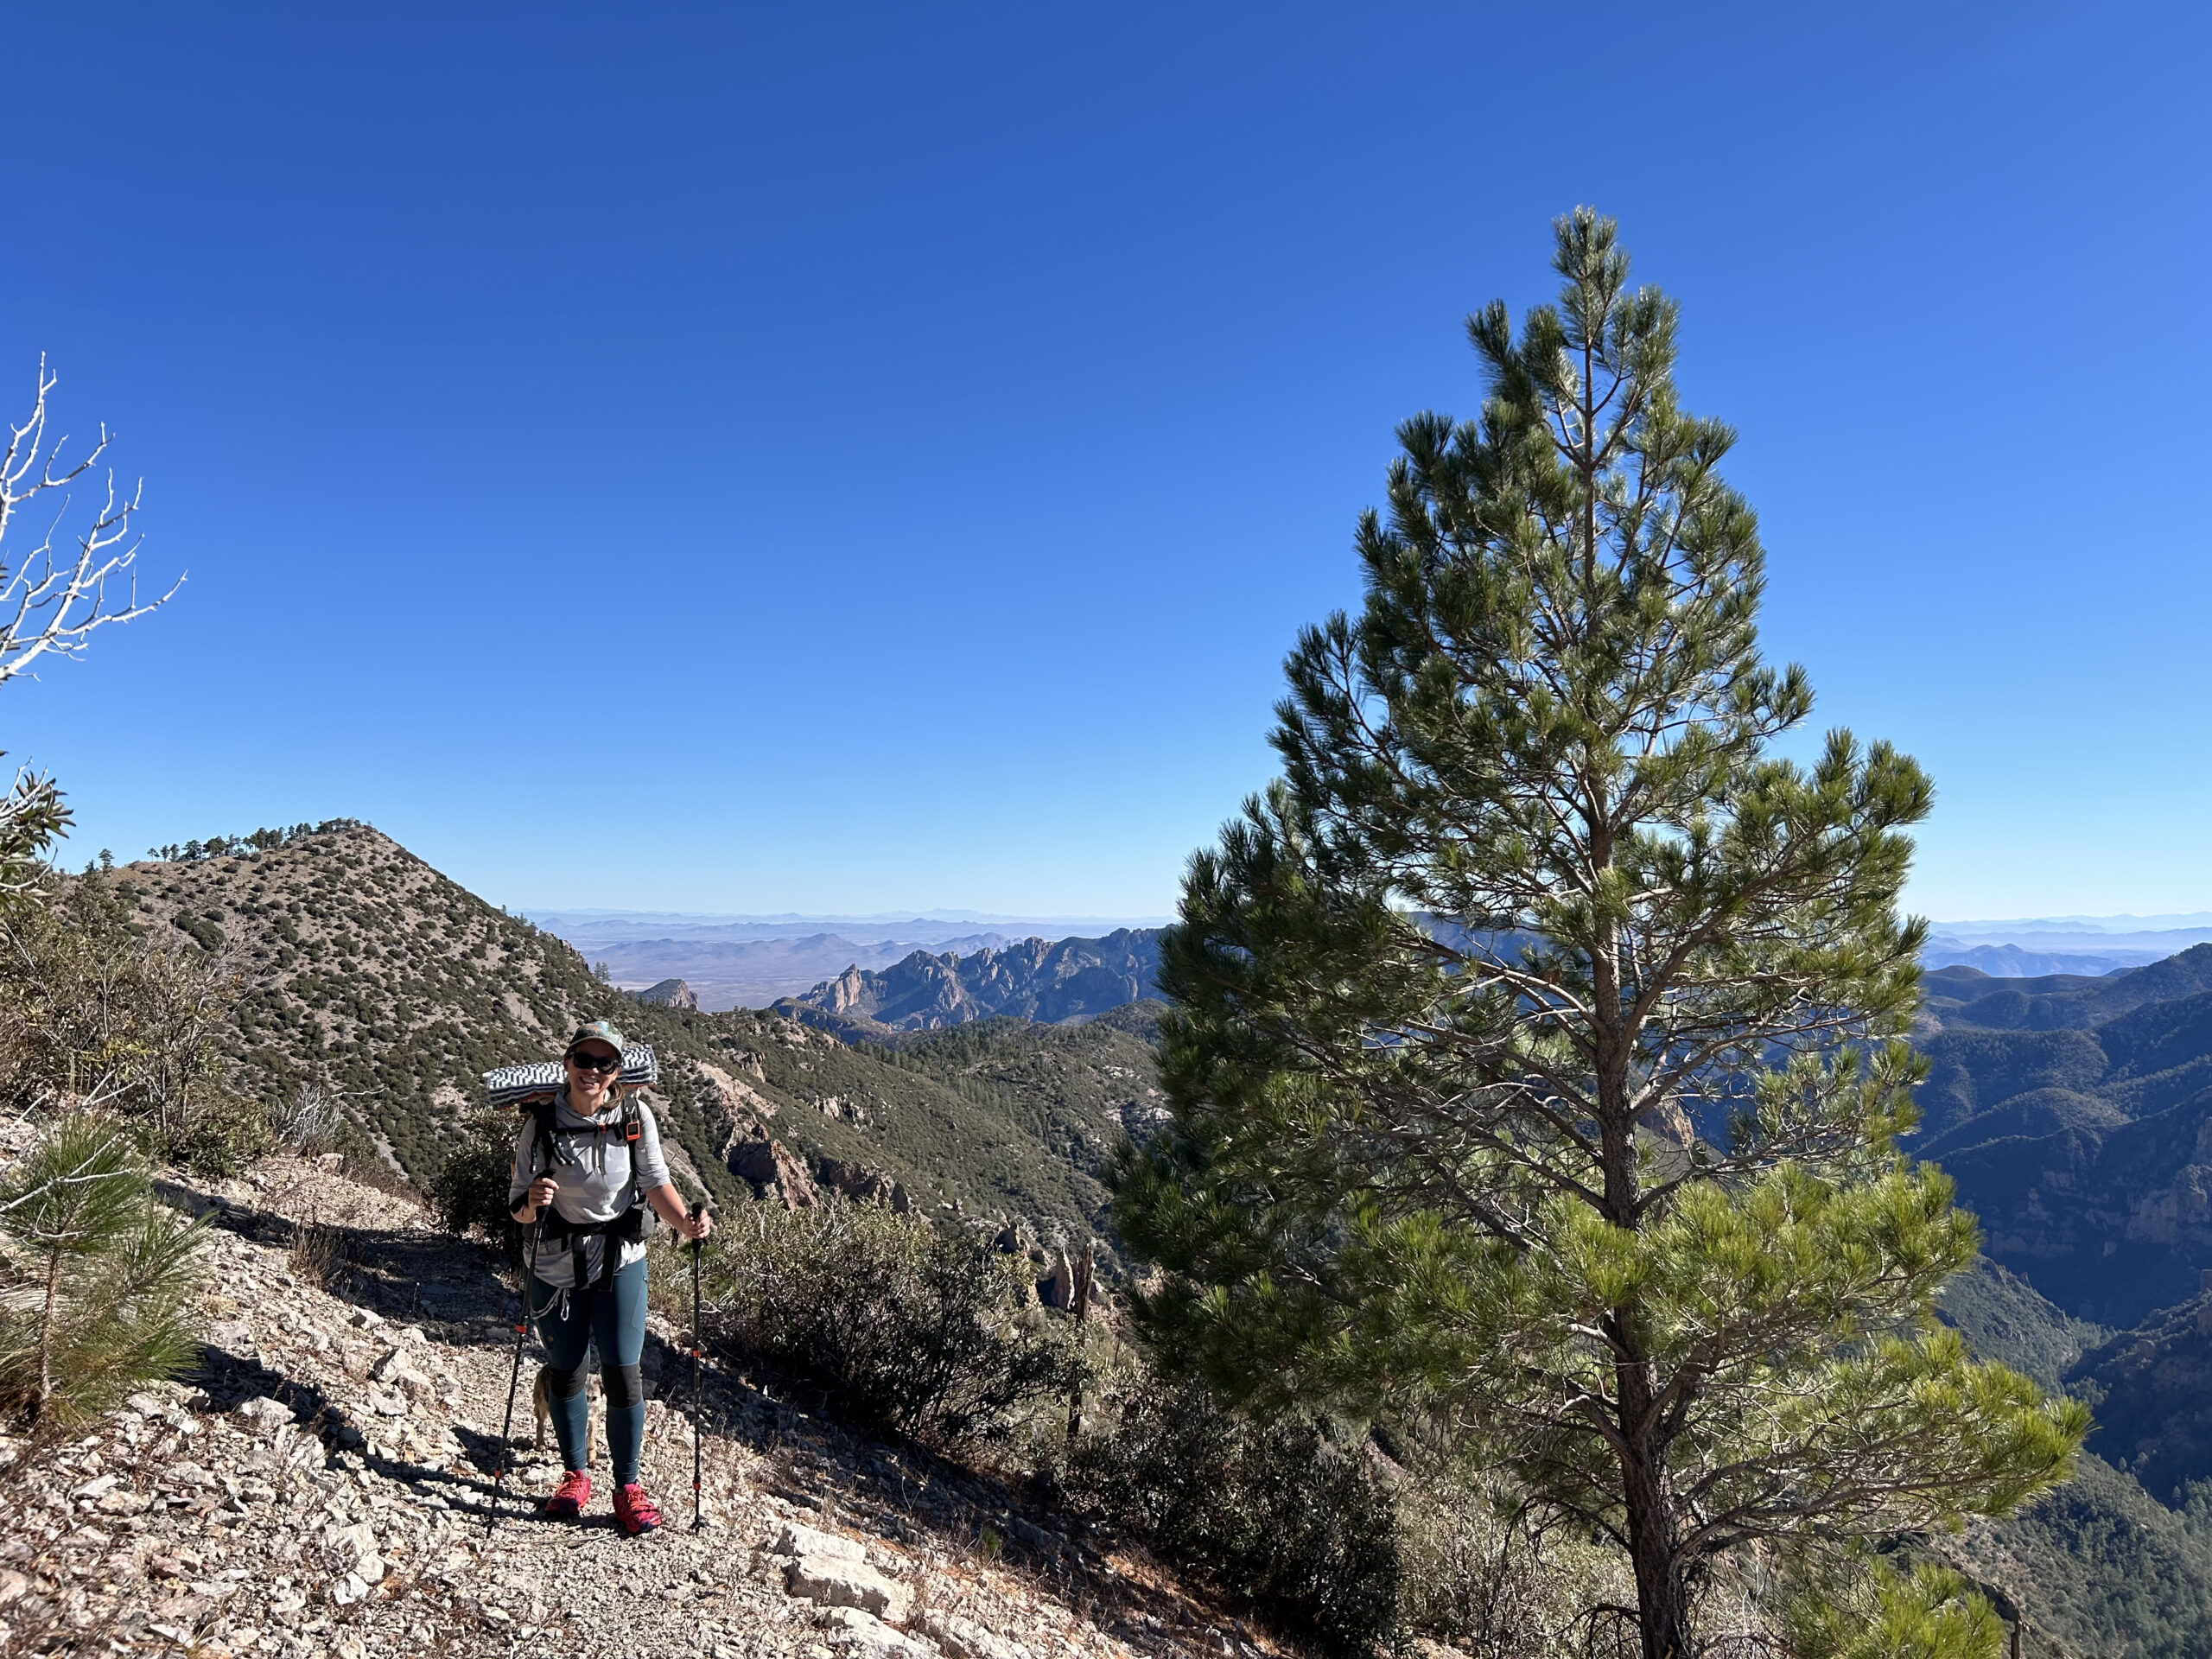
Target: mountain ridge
<point>367,974</point>
<point>1050,981</point>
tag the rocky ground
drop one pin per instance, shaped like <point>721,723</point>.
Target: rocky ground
<point>319,1491</point>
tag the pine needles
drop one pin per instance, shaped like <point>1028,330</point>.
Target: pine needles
<point>96,1275</point>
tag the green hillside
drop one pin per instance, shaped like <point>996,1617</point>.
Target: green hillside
<point>365,971</point>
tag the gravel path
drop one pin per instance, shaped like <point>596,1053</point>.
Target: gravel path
<point>320,1492</point>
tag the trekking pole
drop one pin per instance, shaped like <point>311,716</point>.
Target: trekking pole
<point>514,1376</point>
<point>698,1248</point>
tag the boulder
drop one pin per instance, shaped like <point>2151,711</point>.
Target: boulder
<point>963,1638</point>
<point>840,1582</point>
<point>862,1185</point>
<point>864,1634</point>
<point>791,1538</point>
<point>1057,1288</point>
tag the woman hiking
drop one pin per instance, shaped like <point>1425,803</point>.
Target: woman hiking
<point>599,1166</point>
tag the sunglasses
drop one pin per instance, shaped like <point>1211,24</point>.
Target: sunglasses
<point>602,1063</point>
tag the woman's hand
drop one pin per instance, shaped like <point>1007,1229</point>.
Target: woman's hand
<point>540,1194</point>
<point>669,1204</point>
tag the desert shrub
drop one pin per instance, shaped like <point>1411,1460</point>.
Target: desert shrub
<point>468,1188</point>
<point>911,1327</point>
<point>308,1120</point>
<point>98,1274</point>
<point>219,1134</point>
<point>1281,1514</point>
<point>93,1017</point>
<point>1480,1568</point>
<point>362,1161</point>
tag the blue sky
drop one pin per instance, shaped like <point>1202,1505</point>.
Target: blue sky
<point>855,459</point>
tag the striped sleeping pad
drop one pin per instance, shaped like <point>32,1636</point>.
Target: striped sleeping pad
<point>510,1085</point>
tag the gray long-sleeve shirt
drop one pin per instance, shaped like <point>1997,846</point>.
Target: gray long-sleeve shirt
<point>592,1174</point>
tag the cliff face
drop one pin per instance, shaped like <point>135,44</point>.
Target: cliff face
<point>1048,981</point>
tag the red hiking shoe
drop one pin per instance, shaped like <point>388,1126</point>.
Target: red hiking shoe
<point>634,1511</point>
<point>570,1497</point>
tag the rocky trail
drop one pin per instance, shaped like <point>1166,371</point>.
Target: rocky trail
<point>319,1491</point>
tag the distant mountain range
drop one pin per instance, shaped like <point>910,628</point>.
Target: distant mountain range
<point>751,962</point>
<point>2062,945</point>
<point>1050,981</point>
<point>2075,1114</point>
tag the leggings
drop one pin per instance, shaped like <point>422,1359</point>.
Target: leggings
<point>611,1317</point>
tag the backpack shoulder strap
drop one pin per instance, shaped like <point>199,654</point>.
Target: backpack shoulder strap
<point>631,1129</point>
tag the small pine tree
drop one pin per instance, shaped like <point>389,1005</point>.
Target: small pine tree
<point>99,1274</point>
<point>1539,1042</point>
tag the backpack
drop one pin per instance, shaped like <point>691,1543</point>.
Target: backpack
<point>637,1222</point>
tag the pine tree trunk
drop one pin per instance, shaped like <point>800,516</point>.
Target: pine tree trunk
<point>46,1335</point>
<point>1661,1599</point>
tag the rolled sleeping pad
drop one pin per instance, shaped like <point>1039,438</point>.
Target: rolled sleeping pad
<point>510,1085</point>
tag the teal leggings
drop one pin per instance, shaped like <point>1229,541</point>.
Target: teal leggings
<point>613,1320</point>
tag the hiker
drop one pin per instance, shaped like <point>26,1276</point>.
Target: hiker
<point>586,1285</point>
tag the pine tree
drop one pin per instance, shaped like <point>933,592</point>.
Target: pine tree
<point>1538,1038</point>
<point>98,1273</point>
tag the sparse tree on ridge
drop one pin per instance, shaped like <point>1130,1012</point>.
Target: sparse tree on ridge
<point>1538,1038</point>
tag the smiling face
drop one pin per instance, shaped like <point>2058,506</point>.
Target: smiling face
<point>592,1067</point>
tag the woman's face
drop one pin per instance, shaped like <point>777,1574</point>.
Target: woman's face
<point>593,1068</point>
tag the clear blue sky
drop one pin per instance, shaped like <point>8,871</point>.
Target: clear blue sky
<point>855,458</point>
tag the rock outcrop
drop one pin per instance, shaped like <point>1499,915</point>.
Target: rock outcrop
<point>862,1185</point>
<point>670,993</point>
<point>774,1172</point>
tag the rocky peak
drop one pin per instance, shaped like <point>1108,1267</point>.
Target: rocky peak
<point>670,993</point>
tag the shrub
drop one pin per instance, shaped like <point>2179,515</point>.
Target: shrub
<point>91,1016</point>
<point>923,1330</point>
<point>1279,1513</point>
<point>468,1187</point>
<point>98,1275</point>
<point>1480,1568</point>
<point>308,1120</point>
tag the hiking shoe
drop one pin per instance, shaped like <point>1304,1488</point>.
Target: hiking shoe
<point>634,1511</point>
<point>570,1496</point>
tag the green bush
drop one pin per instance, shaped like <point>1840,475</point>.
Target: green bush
<point>1278,1513</point>
<point>1870,1610</point>
<point>911,1327</point>
<point>96,1274</point>
<point>467,1189</point>
<point>93,1017</point>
